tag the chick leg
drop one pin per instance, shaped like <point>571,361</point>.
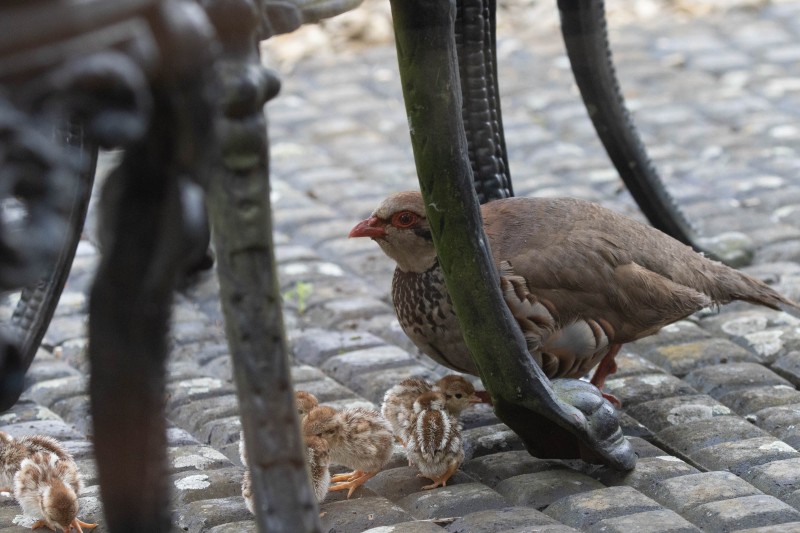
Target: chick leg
<point>78,524</point>
<point>353,484</point>
<point>350,476</point>
<point>41,523</point>
<point>444,477</point>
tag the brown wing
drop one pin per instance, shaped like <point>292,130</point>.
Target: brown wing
<point>586,263</point>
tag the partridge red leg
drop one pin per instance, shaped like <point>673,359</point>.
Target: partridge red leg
<point>607,367</point>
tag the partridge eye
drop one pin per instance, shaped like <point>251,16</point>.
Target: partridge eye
<point>459,395</point>
<point>404,219</point>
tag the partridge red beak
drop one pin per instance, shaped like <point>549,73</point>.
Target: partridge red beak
<point>372,227</point>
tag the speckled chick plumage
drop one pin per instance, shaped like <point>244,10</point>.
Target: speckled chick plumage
<point>14,451</point>
<point>47,484</point>
<point>319,459</point>
<point>434,442</point>
<point>357,438</point>
<point>398,402</point>
<point>305,402</point>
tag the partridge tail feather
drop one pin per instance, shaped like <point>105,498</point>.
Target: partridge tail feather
<point>757,292</point>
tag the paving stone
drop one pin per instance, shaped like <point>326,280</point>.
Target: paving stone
<point>649,472</point>
<point>749,401</point>
<point>190,390</point>
<point>202,515</point>
<point>788,367</point>
<point>540,489</point>
<point>373,385</point>
<point>680,359</point>
<point>584,510</point>
<point>634,390</point>
<point>778,478</point>
<point>26,411</point>
<point>360,514</point>
<point>313,346</point>
<point>660,521</point>
<point>643,448</point>
<point>740,456</point>
<point>397,483</point>
<point>508,518</point>
<point>789,527</point>
<point>478,415</point>
<point>666,412</point>
<point>304,373</point>
<point>630,364</point>
<point>738,324</point>
<point>235,527</point>
<point>220,432</point>
<point>456,500</point>
<point>679,332</point>
<point>686,492</point>
<point>327,390</point>
<point>719,380</point>
<point>691,437</point>
<point>741,513</point>
<point>49,391</point>
<point>201,458</point>
<point>494,468</point>
<point>417,526</point>
<point>782,421</point>
<point>490,439</point>
<point>348,366</point>
<point>190,486</point>
<point>57,429</point>
<point>193,415</point>
<point>75,411</point>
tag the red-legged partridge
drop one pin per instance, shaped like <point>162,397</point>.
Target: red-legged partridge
<point>580,279</point>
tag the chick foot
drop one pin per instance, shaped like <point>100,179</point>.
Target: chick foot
<point>349,476</point>
<point>441,481</point>
<point>78,524</point>
<point>353,484</point>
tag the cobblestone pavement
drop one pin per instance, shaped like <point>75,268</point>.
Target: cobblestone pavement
<point>711,403</point>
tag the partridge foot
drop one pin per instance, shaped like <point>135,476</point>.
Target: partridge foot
<point>353,484</point>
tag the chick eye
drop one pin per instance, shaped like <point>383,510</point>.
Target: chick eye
<point>459,395</point>
<point>404,219</point>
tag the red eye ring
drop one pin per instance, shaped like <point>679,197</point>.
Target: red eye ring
<point>404,219</point>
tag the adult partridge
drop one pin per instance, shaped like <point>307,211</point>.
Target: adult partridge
<point>581,280</point>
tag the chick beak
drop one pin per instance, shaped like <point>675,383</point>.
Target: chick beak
<point>372,227</point>
<point>483,396</point>
<point>475,399</point>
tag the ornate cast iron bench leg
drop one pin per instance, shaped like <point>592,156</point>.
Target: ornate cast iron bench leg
<point>239,207</point>
<point>148,208</point>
